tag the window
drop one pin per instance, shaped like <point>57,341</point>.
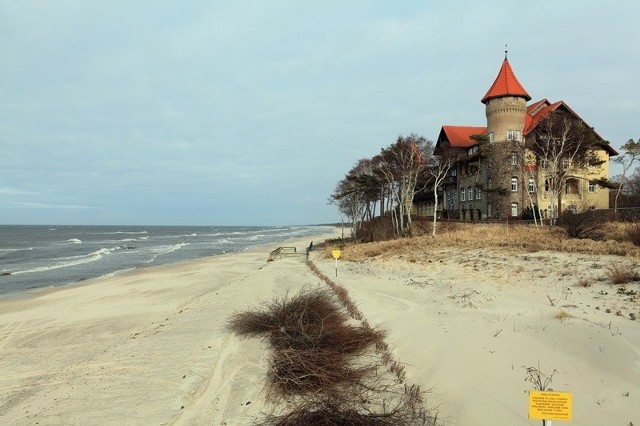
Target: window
<point>566,163</point>
<point>462,194</point>
<point>491,138</point>
<point>454,171</point>
<point>532,186</point>
<point>544,163</point>
<point>470,193</point>
<point>478,193</point>
<point>514,184</point>
<point>572,186</point>
<point>592,187</point>
<point>514,209</point>
<point>514,159</point>
<point>513,135</point>
<point>546,185</point>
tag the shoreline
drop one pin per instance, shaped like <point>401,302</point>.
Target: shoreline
<point>152,347</point>
<point>33,292</point>
<point>143,347</point>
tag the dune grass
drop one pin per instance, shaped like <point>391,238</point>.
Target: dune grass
<point>503,237</point>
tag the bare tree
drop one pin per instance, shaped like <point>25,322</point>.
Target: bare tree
<point>564,145</point>
<point>437,168</point>
<point>357,194</point>
<point>632,152</point>
<point>400,165</point>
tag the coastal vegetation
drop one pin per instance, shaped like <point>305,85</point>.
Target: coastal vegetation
<point>327,365</point>
<point>615,238</point>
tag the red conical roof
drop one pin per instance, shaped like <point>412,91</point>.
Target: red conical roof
<point>506,84</point>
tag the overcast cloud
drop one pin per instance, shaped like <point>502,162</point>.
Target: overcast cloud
<point>249,112</point>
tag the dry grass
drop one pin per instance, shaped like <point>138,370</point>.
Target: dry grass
<point>503,237</point>
<point>332,412</point>
<point>621,274</point>
<point>633,232</point>
<point>314,344</point>
<point>562,315</point>
<point>584,282</point>
<point>327,370</point>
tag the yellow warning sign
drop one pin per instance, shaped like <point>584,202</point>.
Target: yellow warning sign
<point>335,253</point>
<point>550,405</point>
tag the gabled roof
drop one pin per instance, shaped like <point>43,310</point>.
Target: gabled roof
<point>540,110</point>
<point>459,136</point>
<point>506,84</point>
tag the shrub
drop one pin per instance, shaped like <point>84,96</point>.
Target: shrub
<point>583,225</point>
<point>633,232</point>
<point>619,275</point>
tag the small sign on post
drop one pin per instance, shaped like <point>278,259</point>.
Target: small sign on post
<point>336,253</point>
<point>547,406</point>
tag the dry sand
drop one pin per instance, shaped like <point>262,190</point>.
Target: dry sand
<point>151,347</point>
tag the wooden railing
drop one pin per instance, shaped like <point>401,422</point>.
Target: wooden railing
<point>283,252</point>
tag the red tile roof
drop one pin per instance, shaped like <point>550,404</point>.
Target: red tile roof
<point>506,84</point>
<point>540,110</point>
<point>460,136</point>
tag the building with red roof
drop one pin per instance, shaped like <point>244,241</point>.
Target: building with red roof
<point>541,157</point>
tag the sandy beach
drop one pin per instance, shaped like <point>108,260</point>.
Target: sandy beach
<point>152,347</point>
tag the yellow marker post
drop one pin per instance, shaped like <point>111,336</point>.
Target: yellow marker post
<point>336,253</point>
<point>547,406</point>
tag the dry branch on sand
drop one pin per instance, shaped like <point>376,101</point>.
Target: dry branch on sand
<point>329,371</point>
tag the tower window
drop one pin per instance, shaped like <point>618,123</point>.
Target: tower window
<point>514,159</point>
<point>462,194</point>
<point>514,184</point>
<point>491,137</point>
<point>513,135</point>
<point>532,186</point>
<point>514,209</point>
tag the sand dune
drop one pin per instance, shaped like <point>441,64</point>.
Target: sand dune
<point>151,347</point>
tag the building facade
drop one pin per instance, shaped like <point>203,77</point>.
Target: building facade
<point>538,157</point>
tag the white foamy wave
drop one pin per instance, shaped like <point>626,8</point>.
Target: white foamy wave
<point>69,261</point>
<point>162,250</point>
<point>74,241</point>
<point>125,232</point>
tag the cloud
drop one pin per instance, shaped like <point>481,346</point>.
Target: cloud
<point>221,111</point>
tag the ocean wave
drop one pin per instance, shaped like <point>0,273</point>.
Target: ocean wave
<point>162,250</point>
<point>69,261</point>
<point>74,241</point>
<point>123,232</point>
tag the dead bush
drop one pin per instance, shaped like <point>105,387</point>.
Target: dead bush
<point>314,343</point>
<point>619,274</point>
<point>633,232</point>
<point>358,412</point>
<point>583,225</point>
<point>326,370</point>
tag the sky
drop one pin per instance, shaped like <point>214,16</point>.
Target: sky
<point>155,112</point>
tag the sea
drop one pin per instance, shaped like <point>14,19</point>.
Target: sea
<point>36,257</point>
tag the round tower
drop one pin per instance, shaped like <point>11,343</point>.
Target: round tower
<point>506,106</point>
